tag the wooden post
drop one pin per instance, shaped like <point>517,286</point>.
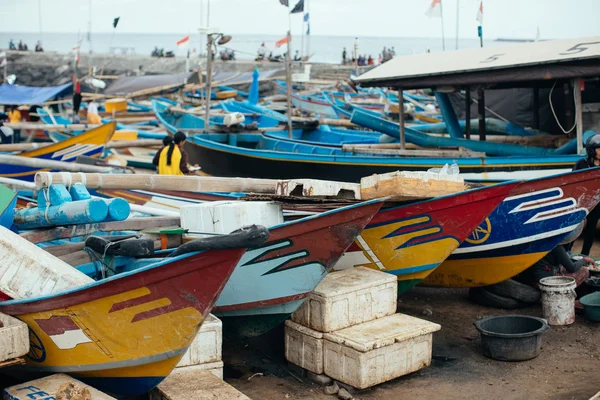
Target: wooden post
<point>536,108</point>
<point>207,90</point>
<point>481,112</point>
<point>288,64</point>
<point>578,113</point>
<point>468,113</point>
<point>569,115</point>
<point>401,116</point>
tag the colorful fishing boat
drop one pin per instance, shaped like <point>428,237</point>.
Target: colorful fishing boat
<point>273,280</point>
<point>124,334</point>
<point>8,202</point>
<point>257,156</point>
<point>90,144</point>
<point>410,241</point>
<point>528,224</point>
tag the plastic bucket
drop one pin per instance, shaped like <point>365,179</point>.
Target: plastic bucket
<point>558,299</point>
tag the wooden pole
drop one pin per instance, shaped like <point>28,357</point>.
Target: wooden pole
<point>568,96</point>
<point>209,43</point>
<point>468,113</point>
<point>401,116</point>
<point>158,182</point>
<point>536,108</point>
<point>132,143</point>
<point>577,83</point>
<point>8,148</point>
<point>481,111</point>
<point>51,164</point>
<point>288,70</point>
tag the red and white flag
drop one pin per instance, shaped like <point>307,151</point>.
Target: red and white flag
<point>480,13</point>
<point>183,42</point>
<point>281,42</point>
<point>435,9</point>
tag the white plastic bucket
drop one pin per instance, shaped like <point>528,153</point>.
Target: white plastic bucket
<point>558,299</point>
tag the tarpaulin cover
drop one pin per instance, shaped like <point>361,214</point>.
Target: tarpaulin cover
<point>16,94</point>
<point>129,84</point>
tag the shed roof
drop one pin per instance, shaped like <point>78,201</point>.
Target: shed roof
<point>547,60</point>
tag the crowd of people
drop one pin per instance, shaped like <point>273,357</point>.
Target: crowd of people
<point>23,46</point>
<point>363,60</point>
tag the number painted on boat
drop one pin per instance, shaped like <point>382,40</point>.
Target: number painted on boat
<point>578,48</point>
<point>492,58</point>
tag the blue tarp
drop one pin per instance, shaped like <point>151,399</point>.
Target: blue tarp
<point>16,94</point>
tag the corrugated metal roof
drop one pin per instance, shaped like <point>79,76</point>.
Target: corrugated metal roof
<point>483,59</point>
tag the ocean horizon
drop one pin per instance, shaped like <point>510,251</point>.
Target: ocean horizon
<point>323,49</point>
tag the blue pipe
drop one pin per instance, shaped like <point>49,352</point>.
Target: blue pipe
<point>492,126</point>
<point>70,213</point>
<point>571,146</point>
<point>450,119</point>
<point>367,120</point>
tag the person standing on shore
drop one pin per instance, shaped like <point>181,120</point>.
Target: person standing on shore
<point>344,57</point>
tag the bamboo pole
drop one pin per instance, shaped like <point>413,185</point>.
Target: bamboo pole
<point>396,149</point>
<point>119,144</point>
<point>51,127</point>
<point>158,182</point>
<point>51,164</point>
<point>7,148</point>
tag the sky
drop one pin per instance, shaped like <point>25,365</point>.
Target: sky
<point>376,18</point>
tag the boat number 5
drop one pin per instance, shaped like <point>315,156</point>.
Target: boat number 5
<point>492,58</point>
<point>578,48</point>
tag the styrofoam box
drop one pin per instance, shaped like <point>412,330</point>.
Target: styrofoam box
<point>347,298</point>
<point>47,388</point>
<point>207,346</point>
<point>190,384</point>
<point>215,368</point>
<point>304,347</point>
<point>14,338</point>
<point>227,216</point>
<point>377,351</point>
<point>28,271</point>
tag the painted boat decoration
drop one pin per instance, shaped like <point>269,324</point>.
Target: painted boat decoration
<point>410,241</point>
<point>528,224</point>
<point>125,334</point>
<point>90,144</point>
<point>257,156</point>
<point>273,280</point>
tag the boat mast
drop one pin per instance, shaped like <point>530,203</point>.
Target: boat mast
<point>89,35</point>
<point>457,20</point>
<point>442,18</point>
<point>40,17</point>
<point>308,32</point>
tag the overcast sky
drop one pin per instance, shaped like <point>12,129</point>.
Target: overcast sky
<point>396,18</point>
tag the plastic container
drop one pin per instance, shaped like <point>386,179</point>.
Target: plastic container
<point>14,338</point>
<point>304,347</point>
<point>28,271</point>
<point>511,337</point>
<point>558,299</point>
<point>591,306</point>
<point>207,347</point>
<point>348,298</point>
<point>115,105</point>
<point>377,351</point>
<point>227,216</point>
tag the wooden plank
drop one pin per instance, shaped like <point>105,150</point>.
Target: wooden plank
<point>119,144</point>
<point>51,127</point>
<point>64,249</point>
<point>394,149</point>
<point>159,182</point>
<point>402,186</point>
<point>12,361</point>
<point>8,148</point>
<point>50,164</point>
<point>65,232</point>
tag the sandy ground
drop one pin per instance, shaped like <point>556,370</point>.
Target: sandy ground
<point>568,367</point>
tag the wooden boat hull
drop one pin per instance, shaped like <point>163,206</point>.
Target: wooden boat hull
<point>90,144</point>
<point>411,241</point>
<point>219,159</point>
<point>527,225</point>
<point>272,281</point>
<point>124,334</point>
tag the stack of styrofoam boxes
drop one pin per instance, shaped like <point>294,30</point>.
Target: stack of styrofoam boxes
<point>226,216</point>
<point>348,330</point>
<point>205,352</point>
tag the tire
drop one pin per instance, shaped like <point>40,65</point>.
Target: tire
<point>488,299</point>
<point>516,290</point>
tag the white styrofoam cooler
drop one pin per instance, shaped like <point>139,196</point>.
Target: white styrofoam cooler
<point>227,216</point>
<point>377,351</point>
<point>207,346</point>
<point>28,271</point>
<point>48,388</point>
<point>304,347</point>
<point>14,338</point>
<point>347,298</point>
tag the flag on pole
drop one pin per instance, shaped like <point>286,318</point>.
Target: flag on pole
<point>184,41</point>
<point>285,3</point>
<point>116,22</point>
<point>479,16</point>
<point>281,42</point>
<point>306,17</point>
<point>298,8</point>
<point>435,9</point>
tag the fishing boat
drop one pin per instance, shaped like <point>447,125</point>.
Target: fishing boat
<point>8,202</point>
<point>313,104</point>
<point>90,144</point>
<point>528,224</point>
<point>256,156</point>
<point>410,241</point>
<point>125,334</point>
